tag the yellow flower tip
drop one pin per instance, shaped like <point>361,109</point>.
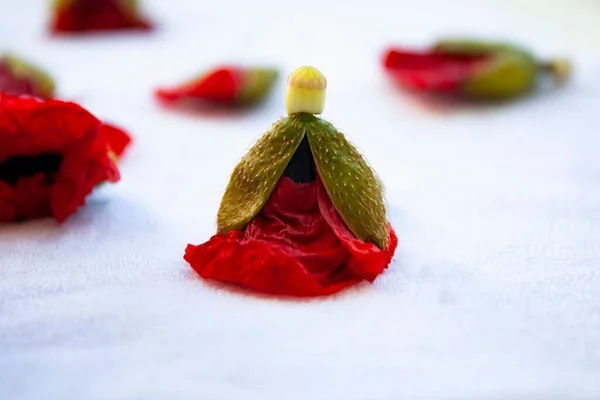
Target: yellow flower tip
<point>306,91</point>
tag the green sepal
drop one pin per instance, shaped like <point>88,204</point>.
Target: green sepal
<point>42,81</point>
<point>351,183</point>
<point>257,84</point>
<point>458,46</point>
<point>506,76</point>
<point>510,71</point>
<point>256,175</point>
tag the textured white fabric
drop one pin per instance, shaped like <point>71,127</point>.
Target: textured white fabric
<point>495,289</point>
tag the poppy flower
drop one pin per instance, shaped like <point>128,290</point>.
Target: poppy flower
<point>303,213</point>
<point>17,76</point>
<point>52,155</point>
<point>77,16</point>
<point>472,69</point>
<point>226,86</point>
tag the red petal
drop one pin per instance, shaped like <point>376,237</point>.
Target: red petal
<point>96,15</point>
<point>33,195</point>
<point>30,127</point>
<point>86,164</point>
<point>366,260</point>
<point>218,86</point>
<point>430,72</point>
<point>291,248</point>
<point>118,140</point>
<point>8,198</point>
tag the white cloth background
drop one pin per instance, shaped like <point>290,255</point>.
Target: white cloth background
<point>495,288</point>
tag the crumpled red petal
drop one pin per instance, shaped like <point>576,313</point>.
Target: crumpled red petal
<point>218,86</point>
<point>30,193</point>
<point>430,71</point>
<point>297,246</point>
<point>29,128</point>
<point>79,16</point>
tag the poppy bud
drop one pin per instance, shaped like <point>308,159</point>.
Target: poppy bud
<point>228,86</point>
<point>474,69</point>
<point>77,16</point>
<point>18,77</point>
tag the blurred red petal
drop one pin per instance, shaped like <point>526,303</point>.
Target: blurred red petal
<point>429,71</point>
<point>71,16</point>
<point>218,86</point>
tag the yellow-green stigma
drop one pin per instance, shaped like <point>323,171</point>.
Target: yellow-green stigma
<point>306,91</point>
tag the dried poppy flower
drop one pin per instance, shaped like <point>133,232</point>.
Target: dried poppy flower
<point>471,69</point>
<point>223,86</point>
<point>71,16</point>
<point>52,155</point>
<point>303,213</point>
<point>20,77</point>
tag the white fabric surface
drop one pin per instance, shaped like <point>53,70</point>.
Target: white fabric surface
<point>495,289</point>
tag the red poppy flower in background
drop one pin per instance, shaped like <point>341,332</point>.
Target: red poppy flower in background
<point>223,86</point>
<point>52,155</point>
<point>470,68</point>
<point>97,15</point>
<point>20,77</point>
